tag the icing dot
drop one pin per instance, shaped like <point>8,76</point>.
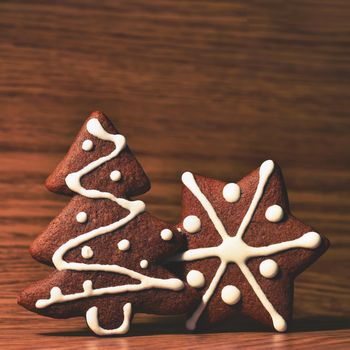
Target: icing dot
<point>81,217</point>
<point>195,279</point>
<point>87,145</point>
<point>87,286</point>
<point>231,192</point>
<point>144,264</point>
<point>192,224</point>
<point>268,268</point>
<point>115,175</point>
<point>230,295</point>
<point>274,213</point>
<point>179,229</point>
<point>124,244</point>
<point>87,252</point>
<point>166,234</point>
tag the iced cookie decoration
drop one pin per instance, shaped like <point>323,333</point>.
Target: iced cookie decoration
<point>244,248</point>
<point>106,248</point>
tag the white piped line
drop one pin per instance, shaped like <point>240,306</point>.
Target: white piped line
<point>190,182</point>
<point>92,321</point>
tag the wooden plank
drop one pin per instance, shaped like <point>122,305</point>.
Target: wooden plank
<point>214,87</point>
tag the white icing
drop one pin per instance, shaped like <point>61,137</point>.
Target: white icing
<point>268,268</point>
<point>124,244</point>
<point>231,192</point>
<point>73,181</point>
<point>87,145</point>
<point>195,279</point>
<point>166,234</point>
<point>233,249</point>
<point>144,264</point>
<point>115,175</point>
<point>190,182</point>
<point>81,217</point>
<point>230,295</point>
<point>92,321</point>
<point>87,252</point>
<point>179,229</point>
<point>192,224</point>
<point>274,213</point>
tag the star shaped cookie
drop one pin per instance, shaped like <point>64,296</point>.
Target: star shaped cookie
<point>244,248</point>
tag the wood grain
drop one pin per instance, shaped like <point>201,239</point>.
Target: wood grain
<point>209,86</point>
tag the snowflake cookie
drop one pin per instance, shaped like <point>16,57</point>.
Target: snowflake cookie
<point>244,248</point>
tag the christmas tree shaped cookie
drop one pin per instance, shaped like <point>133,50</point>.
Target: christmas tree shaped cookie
<point>106,248</point>
<point>244,248</point>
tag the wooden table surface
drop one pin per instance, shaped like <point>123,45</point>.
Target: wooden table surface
<point>214,87</point>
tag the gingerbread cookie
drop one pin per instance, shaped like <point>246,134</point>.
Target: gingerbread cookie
<point>106,248</point>
<point>244,248</point>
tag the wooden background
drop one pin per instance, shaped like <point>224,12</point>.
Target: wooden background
<point>214,87</point>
